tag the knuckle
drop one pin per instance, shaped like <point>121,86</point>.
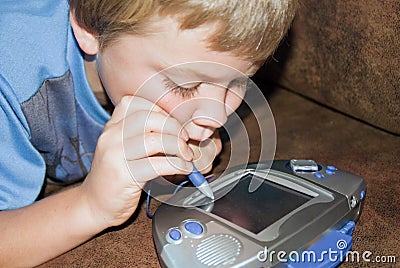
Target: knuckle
<point>151,138</point>
<point>182,144</point>
<point>140,117</point>
<point>144,117</point>
<point>125,101</point>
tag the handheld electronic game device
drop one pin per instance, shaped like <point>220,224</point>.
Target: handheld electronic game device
<point>300,207</point>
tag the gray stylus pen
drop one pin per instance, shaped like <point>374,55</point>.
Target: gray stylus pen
<point>200,182</point>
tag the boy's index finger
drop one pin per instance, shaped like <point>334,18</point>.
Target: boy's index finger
<point>165,124</point>
<point>149,121</point>
<point>131,104</point>
<point>138,103</point>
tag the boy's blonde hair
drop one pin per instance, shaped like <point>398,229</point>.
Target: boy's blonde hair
<point>249,29</point>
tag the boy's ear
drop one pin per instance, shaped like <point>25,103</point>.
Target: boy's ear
<point>86,40</point>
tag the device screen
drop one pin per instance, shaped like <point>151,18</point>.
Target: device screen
<point>257,210</point>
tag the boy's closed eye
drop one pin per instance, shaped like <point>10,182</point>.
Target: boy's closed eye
<point>189,90</point>
<point>184,91</point>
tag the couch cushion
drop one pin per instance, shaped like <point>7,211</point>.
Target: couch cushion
<point>345,54</point>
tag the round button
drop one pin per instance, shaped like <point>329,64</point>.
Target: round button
<point>194,227</point>
<point>333,168</point>
<point>319,175</point>
<point>175,234</point>
<point>329,172</point>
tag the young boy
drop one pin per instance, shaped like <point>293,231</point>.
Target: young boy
<point>54,53</point>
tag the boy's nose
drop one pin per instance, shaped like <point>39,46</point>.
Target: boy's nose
<point>210,113</point>
<point>211,121</point>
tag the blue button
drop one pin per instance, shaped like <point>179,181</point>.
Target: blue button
<point>194,227</point>
<point>329,172</point>
<point>333,168</point>
<point>319,175</point>
<point>362,195</point>
<point>175,234</point>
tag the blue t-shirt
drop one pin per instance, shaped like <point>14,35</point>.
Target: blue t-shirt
<point>50,119</point>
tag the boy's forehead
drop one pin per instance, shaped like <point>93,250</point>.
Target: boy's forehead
<point>173,38</point>
<point>170,49</point>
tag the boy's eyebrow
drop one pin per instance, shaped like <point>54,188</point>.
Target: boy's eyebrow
<point>187,72</point>
<point>202,77</point>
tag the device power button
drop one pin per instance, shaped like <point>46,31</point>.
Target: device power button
<point>194,227</point>
<point>174,236</point>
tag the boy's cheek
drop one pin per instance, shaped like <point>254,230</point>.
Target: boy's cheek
<point>180,110</point>
<point>233,101</point>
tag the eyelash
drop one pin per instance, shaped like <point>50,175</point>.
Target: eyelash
<point>184,92</point>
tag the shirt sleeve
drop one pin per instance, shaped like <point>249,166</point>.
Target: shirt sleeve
<point>22,169</point>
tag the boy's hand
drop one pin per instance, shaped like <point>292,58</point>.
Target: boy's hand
<point>139,143</point>
<point>205,152</point>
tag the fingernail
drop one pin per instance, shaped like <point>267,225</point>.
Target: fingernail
<point>190,152</point>
<point>184,134</point>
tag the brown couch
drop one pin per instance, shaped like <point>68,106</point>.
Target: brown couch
<point>332,87</point>
<point>345,55</point>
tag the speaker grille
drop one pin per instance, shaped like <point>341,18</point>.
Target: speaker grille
<point>218,250</point>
